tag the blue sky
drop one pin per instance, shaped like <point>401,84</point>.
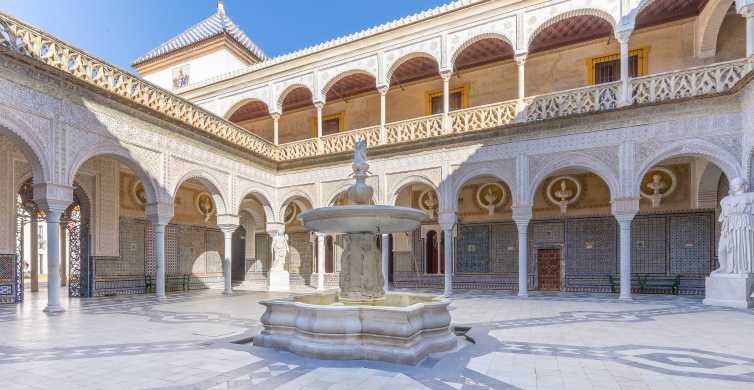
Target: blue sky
<point>119,31</point>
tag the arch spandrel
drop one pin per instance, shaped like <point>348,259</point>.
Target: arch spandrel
<point>538,20</point>
<point>503,29</point>
<point>573,160</point>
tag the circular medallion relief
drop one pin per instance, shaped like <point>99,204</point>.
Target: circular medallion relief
<point>138,194</point>
<point>291,212</point>
<point>204,205</point>
<point>563,191</point>
<point>491,196</point>
<point>428,202</point>
<point>657,184</point>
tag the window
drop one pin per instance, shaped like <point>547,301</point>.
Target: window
<point>331,124</point>
<point>605,69</point>
<point>459,98</point>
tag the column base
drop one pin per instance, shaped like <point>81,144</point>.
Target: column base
<point>625,298</point>
<point>279,281</point>
<point>228,293</point>
<point>523,294</point>
<point>730,290</point>
<point>53,309</point>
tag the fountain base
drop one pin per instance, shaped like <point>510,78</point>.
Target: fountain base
<point>404,328</point>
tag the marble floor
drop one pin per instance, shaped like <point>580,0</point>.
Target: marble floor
<point>200,340</point>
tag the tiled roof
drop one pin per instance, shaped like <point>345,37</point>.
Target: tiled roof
<point>214,25</point>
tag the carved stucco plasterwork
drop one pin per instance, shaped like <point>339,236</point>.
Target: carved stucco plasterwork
<point>328,76</point>
<point>107,207</point>
<point>396,181</point>
<point>504,28</point>
<point>305,191</point>
<point>246,187</point>
<point>393,58</point>
<point>281,88</point>
<point>331,189</point>
<point>536,19</point>
<point>224,105</point>
<point>504,170</point>
<point>602,162</point>
<point>182,170</point>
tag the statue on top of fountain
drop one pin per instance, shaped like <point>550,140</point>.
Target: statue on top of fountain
<point>360,192</point>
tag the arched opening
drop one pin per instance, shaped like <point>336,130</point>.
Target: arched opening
<point>349,98</point>
<point>730,36</point>
<point>415,76</point>
<point>301,261</point>
<point>253,115</point>
<point>298,115</point>
<point>674,236</point>
<point>665,11</point>
<point>432,253</point>
<point>483,65</point>
<point>257,255</point>
<point>573,236</point>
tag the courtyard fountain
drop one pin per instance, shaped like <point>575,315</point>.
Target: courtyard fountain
<point>360,320</point>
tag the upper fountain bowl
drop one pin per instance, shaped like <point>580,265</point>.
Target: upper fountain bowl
<point>362,219</point>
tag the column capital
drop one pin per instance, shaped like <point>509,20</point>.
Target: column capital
<point>320,235</point>
<point>382,89</point>
<point>745,8</point>
<point>319,105</point>
<point>274,228</point>
<point>160,213</point>
<point>522,214</point>
<point>53,198</point>
<point>227,220</point>
<point>520,58</point>
<point>275,115</point>
<point>447,219</point>
<point>624,209</point>
<point>446,74</point>
<point>622,36</point>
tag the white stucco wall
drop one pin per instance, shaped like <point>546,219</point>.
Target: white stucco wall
<point>200,68</point>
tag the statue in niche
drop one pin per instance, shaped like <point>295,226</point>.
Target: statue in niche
<point>736,249</point>
<point>279,251</point>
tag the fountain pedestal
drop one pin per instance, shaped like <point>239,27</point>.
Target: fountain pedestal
<point>360,321</point>
<point>279,281</point>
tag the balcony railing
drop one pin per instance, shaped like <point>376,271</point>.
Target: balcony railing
<point>686,83</point>
<point>33,44</point>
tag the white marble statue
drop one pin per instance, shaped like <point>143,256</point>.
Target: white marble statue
<point>279,251</point>
<point>736,248</point>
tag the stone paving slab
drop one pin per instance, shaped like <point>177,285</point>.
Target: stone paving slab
<point>560,341</point>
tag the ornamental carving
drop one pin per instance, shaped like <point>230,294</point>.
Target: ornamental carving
<point>429,203</point>
<point>291,212</point>
<point>205,206</point>
<point>138,193</point>
<point>658,184</point>
<point>563,191</point>
<point>491,196</point>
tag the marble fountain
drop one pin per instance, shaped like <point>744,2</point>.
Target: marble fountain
<point>360,321</point>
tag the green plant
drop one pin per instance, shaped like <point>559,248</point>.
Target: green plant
<point>642,281</point>
<point>613,283</point>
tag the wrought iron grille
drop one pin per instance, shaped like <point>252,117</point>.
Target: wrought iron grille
<point>76,269</point>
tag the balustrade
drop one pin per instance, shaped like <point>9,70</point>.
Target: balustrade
<point>32,44</point>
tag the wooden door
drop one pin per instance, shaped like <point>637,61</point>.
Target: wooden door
<point>548,269</point>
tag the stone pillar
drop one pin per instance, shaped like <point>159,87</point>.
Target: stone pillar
<point>383,114</point>
<point>275,127</point>
<point>623,37</point>
<point>319,106</point>
<point>321,241</point>
<point>448,221</point>
<point>159,214</point>
<point>446,98</point>
<point>63,254</point>
<point>54,200</point>
<point>34,252</point>
<point>624,211</point>
<point>385,261</point>
<point>520,68</point>
<point>522,216</point>
<point>747,11</point>
<point>159,251</point>
<point>228,230</point>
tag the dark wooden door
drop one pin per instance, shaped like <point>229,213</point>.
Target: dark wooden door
<point>548,269</point>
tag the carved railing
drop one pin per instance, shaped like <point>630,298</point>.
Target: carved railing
<point>483,117</point>
<point>573,101</point>
<point>344,142</point>
<point>26,40</point>
<point>687,83</point>
<point>414,129</point>
<point>298,149</point>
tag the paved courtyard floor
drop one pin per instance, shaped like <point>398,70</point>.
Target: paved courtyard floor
<point>197,341</point>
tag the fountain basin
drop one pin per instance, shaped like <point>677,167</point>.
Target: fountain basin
<point>404,328</point>
<point>362,219</point>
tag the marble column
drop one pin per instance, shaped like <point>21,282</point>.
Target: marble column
<point>523,253</point>
<point>383,113</point>
<point>319,106</point>
<point>321,241</point>
<point>228,258</point>
<point>623,37</point>
<point>275,127</point>
<point>747,11</point>
<point>625,257</point>
<point>521,96</point>
<point>53,261</point>
<point>447,221</point>
<point>385,261</point>
<point>446,75</point>
<point>34,252</point>
<point>159,251</point>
